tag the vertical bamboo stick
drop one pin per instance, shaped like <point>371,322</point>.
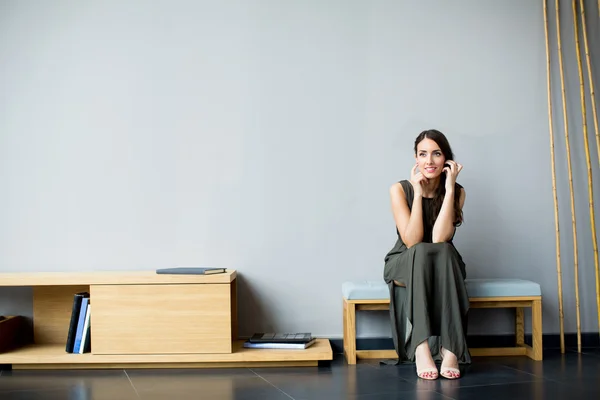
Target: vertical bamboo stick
<point>594,111</point>
<point>586,146</point>
<point>590,79</point>
<point>568,151</point>
<point>552,157</point>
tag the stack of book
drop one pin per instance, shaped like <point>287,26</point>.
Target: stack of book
<point>280,341</point>
<point>78,337</point>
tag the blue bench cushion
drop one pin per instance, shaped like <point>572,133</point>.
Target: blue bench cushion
<point>378,290</point>
<point>366,290</point>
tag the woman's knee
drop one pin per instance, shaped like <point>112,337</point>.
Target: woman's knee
<point>424,247</point>
<point>443,245</point>
<point>444,249</point>
<point>419,247</point>
<point>433,250</point>
<point>421,250</point>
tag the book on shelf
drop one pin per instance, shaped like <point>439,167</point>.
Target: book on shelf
<point>73,325</point>
<point>270,337</point>
<point>272,340</point>
<point>191,270</point>
<point>279,345</point>
<point>79,334</point>
<point>84,346</point>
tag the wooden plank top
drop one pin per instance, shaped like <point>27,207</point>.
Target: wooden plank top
<point>108,278</point>
<point>55,354</point>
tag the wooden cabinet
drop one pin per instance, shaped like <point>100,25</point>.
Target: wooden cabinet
<point>143,319</point>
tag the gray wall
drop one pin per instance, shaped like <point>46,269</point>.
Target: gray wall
<point>264,135</point>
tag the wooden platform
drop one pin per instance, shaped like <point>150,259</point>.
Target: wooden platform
<point>140,319</point>
<point>51,356</point>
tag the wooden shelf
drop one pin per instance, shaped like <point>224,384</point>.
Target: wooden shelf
<point>141,319</point>
<point>108,278</point>
<point>46,356</point>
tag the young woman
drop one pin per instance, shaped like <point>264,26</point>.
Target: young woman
<point>424,271</point>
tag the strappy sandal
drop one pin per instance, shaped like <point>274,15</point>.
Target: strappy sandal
<point>447,372</point>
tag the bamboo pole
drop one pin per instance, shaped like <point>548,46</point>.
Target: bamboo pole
<point>594,111</point>
<point>552,157</point>
<point>568,151</point>
<point>587,149</point>
<point>590,79</point>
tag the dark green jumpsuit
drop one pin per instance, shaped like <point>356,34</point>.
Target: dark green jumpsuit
<point>435,303</point>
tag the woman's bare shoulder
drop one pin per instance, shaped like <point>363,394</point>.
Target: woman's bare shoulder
<point>398,187</point>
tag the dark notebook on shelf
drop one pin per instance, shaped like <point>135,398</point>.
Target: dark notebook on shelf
<point>191,270</point>
<point>281,338</point>
<point>71,333</point>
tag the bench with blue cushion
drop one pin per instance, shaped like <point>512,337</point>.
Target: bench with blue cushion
<point>483,293</point>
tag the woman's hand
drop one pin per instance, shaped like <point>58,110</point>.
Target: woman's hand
<point>417,179</point>
<point>452,173</point>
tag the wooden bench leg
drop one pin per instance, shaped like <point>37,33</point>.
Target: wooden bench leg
<point>536,322</point>
<point>350,332</point>
<point>520,326</point>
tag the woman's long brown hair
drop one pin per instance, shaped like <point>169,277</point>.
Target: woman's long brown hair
<point>440,192</point>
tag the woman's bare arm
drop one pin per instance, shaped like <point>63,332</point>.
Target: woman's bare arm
<point>443,228</point>
<point>409,224</point>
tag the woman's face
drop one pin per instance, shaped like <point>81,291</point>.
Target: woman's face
<point>430,158</point>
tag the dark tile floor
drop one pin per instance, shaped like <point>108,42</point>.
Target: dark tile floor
<point>568,376</point>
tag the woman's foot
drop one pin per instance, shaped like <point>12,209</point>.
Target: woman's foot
<point>426,368</point>
<point>449,368</point>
